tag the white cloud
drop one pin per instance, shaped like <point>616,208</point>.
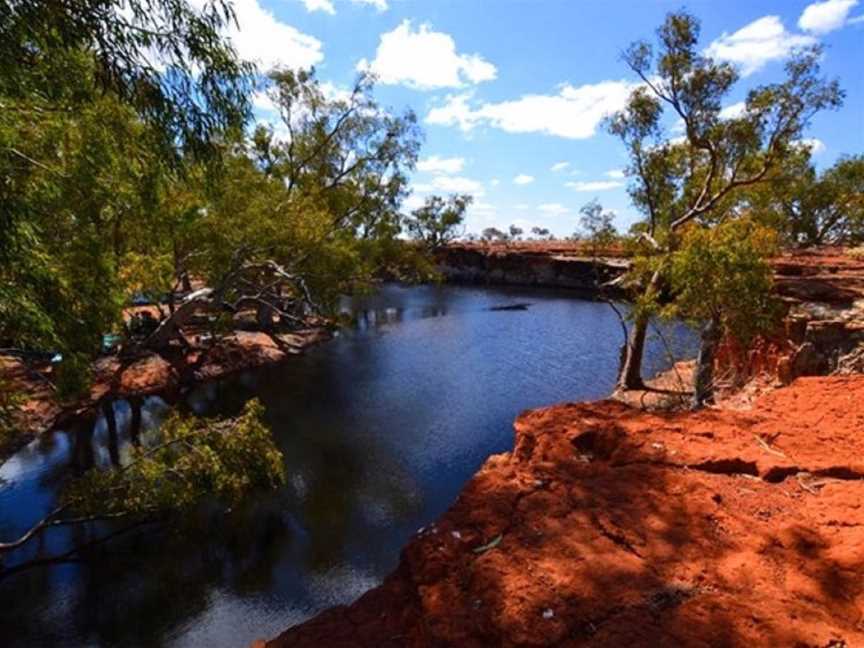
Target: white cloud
<point>733,111</point>
<point>482,207</point>
<point>595,185</point>
<point>414,201</point>
<point>451,184</point>
<point>435,164</point>
<point>380,5</point>
<point>495,182</point>
<point>333,92</point>
<point>425,60</point>
<point>555,209</point>
<point>319,5</point>
<point>615,174</point>
<point>522,206</point>
<point>262,101</point>
<point>269,42</point>
<point>575,112</point>
<point>754,45</point>
<point>523,179</point>
<point>815,145</point>
<point>559,166</point>
<point>824,17</point>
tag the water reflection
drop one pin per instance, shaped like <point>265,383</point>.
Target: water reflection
<point>379,430</point>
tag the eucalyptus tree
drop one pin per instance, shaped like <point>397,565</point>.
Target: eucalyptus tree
<point>701,177</point>
<point>167,59</point>
<point>97,99</point>
<point>303,210</point>
<point>597,226</point>
<point>815,208</point>
<point>196,460</point>
<point>438,221</point>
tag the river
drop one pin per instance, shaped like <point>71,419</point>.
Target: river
<point>380,429</point>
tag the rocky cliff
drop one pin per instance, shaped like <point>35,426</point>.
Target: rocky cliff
<point>608,526</point>
<point>611,526</point>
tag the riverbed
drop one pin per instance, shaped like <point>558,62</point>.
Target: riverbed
<point>380,428</point>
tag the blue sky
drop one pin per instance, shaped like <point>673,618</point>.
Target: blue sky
<point>510,93</point>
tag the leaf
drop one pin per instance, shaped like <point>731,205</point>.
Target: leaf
<point>490,545</point>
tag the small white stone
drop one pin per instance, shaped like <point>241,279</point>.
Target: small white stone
<point>456,535</point>
<point>548,613</point>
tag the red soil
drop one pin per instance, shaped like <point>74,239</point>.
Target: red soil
<point>149,373</point>
<point>620,527</point>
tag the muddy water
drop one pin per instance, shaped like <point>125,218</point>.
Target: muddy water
<point>380,428</point>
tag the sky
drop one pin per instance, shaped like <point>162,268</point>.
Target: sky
<point>511,94</point>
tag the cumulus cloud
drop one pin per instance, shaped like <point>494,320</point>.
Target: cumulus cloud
<point>555,209</point>
<point>262,101</point>
<point>380,5</point>
<point>451,184</point>
<point>824,17</point>
<point>815,145</point>
<point>559,166</point>
<point>615,174</point>
<point>594,185</point>
<point>269,42</point>
<point>425,60</point>
<point>574,112</point>
<point>414,201</point>
<point>757,44</point>
<point>733,111</point>
<point>319,5</point>
<point>435,164</point>
<point>523,179</point>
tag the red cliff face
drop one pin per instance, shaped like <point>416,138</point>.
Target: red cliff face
<point>607,526</point>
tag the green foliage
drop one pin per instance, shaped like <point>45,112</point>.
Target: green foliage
<point>164,58</point>
<point>722,274</point>
<point>704,176</point>
<point>197,459</point>
<point>597,225</point>
<point>493,234</point>
<point>811,208</point>
<point>10,401</point>
<point>438,221</point>
<point>72,376</point>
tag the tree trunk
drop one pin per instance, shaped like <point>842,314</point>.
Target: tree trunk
<point>630,371</point>
<point>135,404</point>
<point>703,389</point>
<point>111,424</point>
<point>264,315</point>
<point>170,327</point>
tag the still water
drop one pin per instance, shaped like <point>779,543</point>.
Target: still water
<point>379,427</point>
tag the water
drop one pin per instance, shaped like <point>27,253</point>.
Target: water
<point>380,428</point>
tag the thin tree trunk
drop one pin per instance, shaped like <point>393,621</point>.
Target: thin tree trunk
<point>264,315</point>
<point>703,391</point>
<point>630,372</point>
<point>111,424</point>
<point>135,404</point>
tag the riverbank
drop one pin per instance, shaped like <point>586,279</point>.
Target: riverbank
<point>607,526</point>
<point>611,525</point>
<point>147,373</point>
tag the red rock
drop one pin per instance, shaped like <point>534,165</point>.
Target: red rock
<point>146,376</point>
<point>625,528</point>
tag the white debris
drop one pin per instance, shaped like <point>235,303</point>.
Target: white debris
<point>456,535</point>
<point>548,613</point>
